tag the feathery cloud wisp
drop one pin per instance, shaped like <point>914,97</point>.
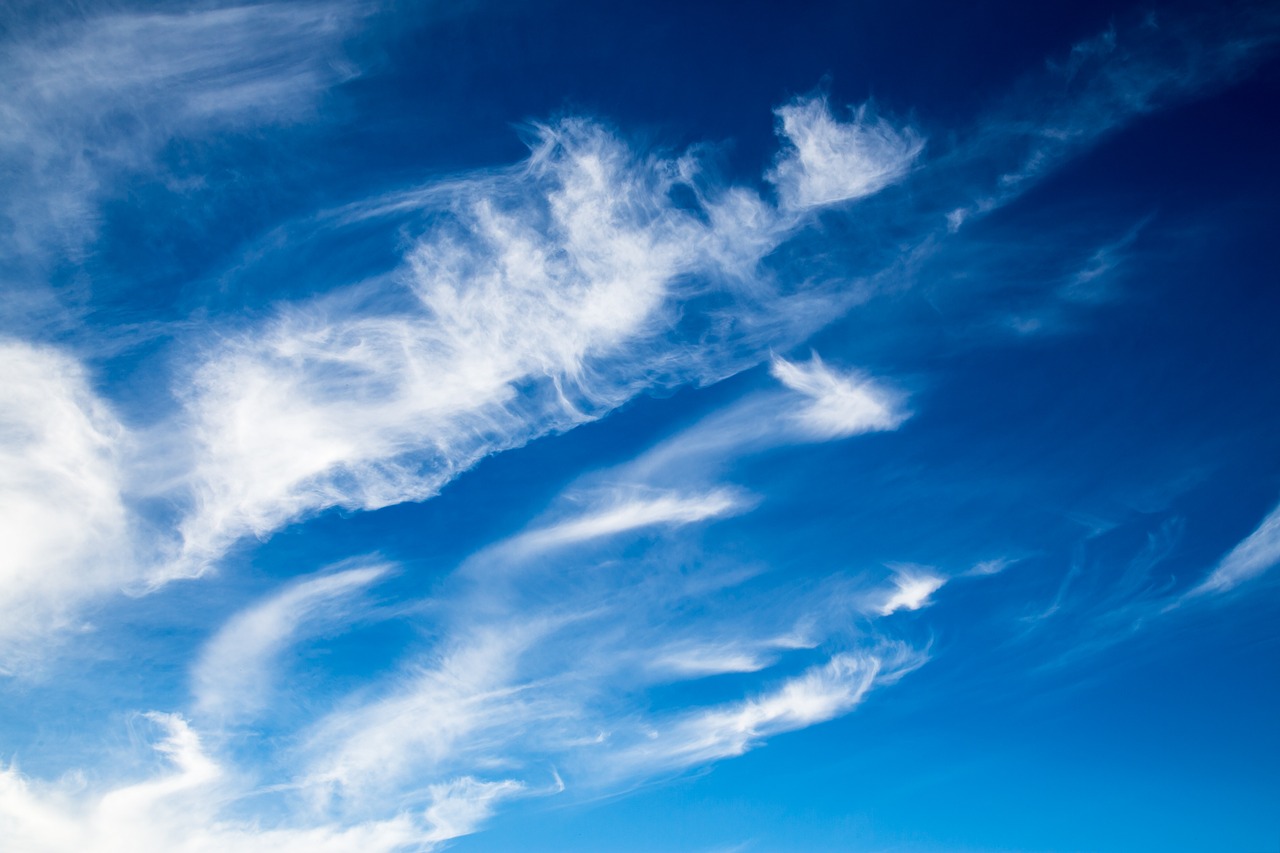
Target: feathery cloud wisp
<point>233,676</point>
<point>542,297</point>
<point>829,161</point>
<point>1257,553</point>
<point>913,587</point>
<point>95,99</point>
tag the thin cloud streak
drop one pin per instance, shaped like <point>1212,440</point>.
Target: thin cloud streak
<point>819,404</point>
<point>817,695</point>
<point>1105,83</point>
<point>234,675</point>
<point>1256,553</point>
<point>632,512</point>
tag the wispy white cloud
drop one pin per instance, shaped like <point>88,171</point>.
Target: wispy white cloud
<point>91,99</point>
<point>694,659</point>
<point>535,298</point>
<point>87,102</point>
<point>818,694</point>
<point>485,705</point>
<point>1090,277</point>
<point>461,806</point>
<point>543,657</point>
<point>985,568</point>
<point>1088,283</point>
<point>820,403</point>
<point>838,405</point>
<point>1105,83</point>
<point>828,160</point>
<point>192,809</point>
<point>235,672</point>
<point>192,769</point>
<point>1258,552</point>
<point>913,586</point>
<point>459,707</point>
<point>628,510</point>
<point>543,297</point>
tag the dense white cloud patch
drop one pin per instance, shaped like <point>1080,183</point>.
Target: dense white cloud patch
<point>63,520</point>
<point>829,161</point>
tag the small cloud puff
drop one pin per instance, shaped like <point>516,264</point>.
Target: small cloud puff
<point>914,585</point>
<point>831,161</point>
<point>838,405</point>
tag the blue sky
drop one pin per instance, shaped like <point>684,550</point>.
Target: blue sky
<point>639,427</point>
